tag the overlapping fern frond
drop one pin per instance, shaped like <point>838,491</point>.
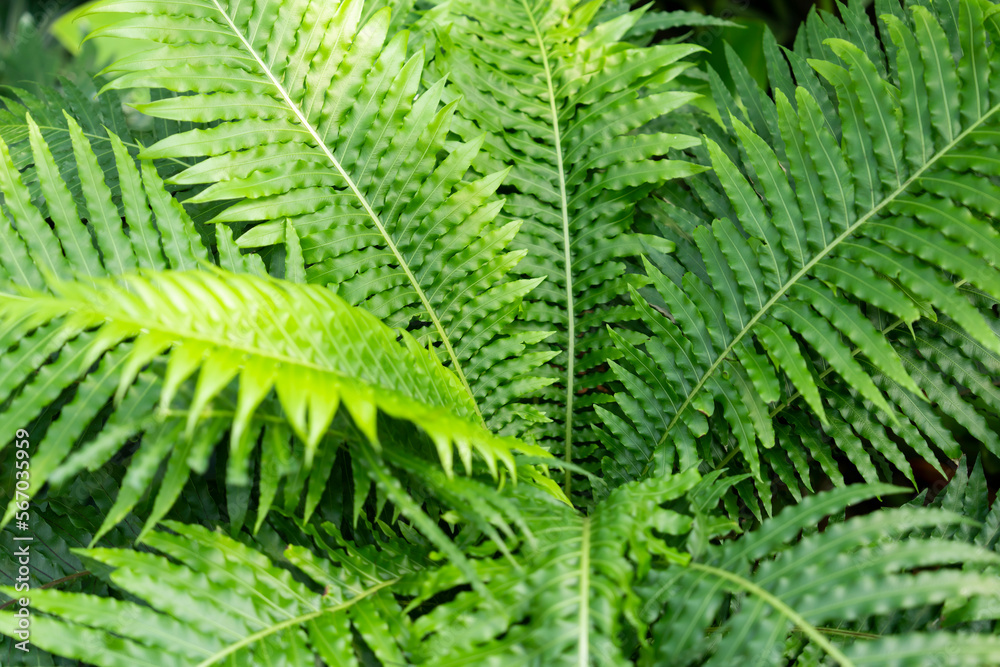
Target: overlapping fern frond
<point>303,341</point>
<point>570,600</point>
<point>241,608</point>
<point>944,627</point>
<point>410,263</point>
<point>316,119</point>
<point>43,385</point>
<point>564,104</point>
<point>95,115</point>
<point>585,591</point>
<point>781,581</point>
<point>853,220</point>
<point>968,494</point>
<point>275,358</point>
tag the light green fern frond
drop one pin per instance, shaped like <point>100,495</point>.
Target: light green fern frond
<point>41,364</point>
<point>305,342</point>
<point>842,222</point>
<point>64,343</point>
<point>312,349</point>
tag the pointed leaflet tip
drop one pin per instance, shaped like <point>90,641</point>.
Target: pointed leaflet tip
<point>360,405</point>
<point>184,360</point>
<point>216,372</point>
<point>292,387</point>
<point>322,409</point>
<point>465,455</point>
<point>443,445</point>
<point>146,348</point>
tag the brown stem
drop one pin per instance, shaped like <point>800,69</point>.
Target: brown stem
<point>51,584</point>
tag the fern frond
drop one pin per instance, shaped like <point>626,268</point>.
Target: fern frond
<point>316,119</point>
<point>96,117</point>
<point>321,354</point>
<point>968,494</point>
<point>569,598</point>
<point>566,105</point>
<point>313,349</point>
<point>862,568</point>
<point>65,348</point>
<point>831,219</point>
<point>86,240</point>
<point>228,604</point>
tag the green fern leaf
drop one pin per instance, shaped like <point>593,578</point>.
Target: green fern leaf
<point>320,354</point>
<point>228,603</point>
<point>824,227</point>
<point>566,107</point>
<point>863,567</point>
<point>316,119</point>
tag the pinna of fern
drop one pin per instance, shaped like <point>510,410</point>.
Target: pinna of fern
<point>316,119</point>
<point>852,216</point>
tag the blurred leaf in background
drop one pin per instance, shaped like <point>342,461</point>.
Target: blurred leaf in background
<point>752,18</point>
<point>28,52</point>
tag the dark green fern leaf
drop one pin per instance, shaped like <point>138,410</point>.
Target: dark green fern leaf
<point>829,237</point>
<point>862,568</point>
<point>564,104</point>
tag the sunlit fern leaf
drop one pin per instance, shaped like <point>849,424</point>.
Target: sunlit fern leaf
<point>83,240</point>
<point>317,120</point>
<point>564,104</point>
<point>304,342</point>
<point>816,234</point>
<point>228,604</point>
<point>861,568</point>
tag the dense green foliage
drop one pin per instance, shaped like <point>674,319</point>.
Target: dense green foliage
<point>257,294</point>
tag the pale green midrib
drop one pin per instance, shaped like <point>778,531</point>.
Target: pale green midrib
<point>583,621</point>
<point>815,260</point>
<point>567,256</point>
<point>456,365</point>
<point>805,626</point>
<point>297,620</point>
